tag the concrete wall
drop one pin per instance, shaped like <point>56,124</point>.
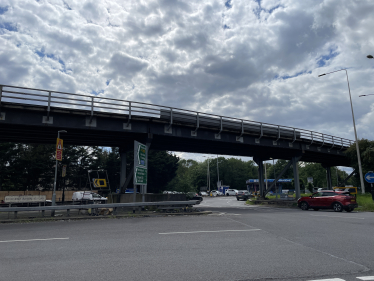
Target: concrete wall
<point>68,194</point>
<point>150,197</point>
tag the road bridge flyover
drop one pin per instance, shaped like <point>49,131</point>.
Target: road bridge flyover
<point>34,116</point>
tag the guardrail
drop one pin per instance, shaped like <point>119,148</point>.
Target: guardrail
<point>96,206</point>
<point>95,104</point>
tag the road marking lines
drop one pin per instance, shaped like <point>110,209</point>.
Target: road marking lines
<point>30,240</point>
<point>331,279</point>
<point>213,231</point>
<point>338,217</point>
<point>339,279</point>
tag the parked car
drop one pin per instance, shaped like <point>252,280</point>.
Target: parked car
<point>243,195</point>
<point>328,199</point>
<point>193,196</point>
<point>231,192</point>
<point>203,193</point>
<point>88,196</point>
<point>216,193</point>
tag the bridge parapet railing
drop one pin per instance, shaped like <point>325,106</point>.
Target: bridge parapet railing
<point>94,104</point>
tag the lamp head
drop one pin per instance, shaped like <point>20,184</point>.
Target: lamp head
<point>369,56</point>
<point>321,74</point>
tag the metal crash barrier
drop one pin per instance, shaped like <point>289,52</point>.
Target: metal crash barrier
<point>98,206</point>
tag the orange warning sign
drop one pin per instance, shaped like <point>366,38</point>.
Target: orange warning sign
<point>59,147</point>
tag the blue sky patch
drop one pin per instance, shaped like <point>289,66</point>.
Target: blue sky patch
<point>293,76</point>
<point>8,26</point>
<point>323,59</point>
<point>3,10</point>
<point>258,10</point>
<point>108,81</point>
<point>228,4</point>
<point>42,54</point>
<point>226,27</point>
<point>97,93</point>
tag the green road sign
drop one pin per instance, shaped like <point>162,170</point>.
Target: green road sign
<point>140,163</point>
<point>142,155</point>
<point>140,175</point>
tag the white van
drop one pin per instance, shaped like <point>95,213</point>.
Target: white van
<point>88,196</point>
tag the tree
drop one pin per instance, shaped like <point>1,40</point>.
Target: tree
<point>367,159</point>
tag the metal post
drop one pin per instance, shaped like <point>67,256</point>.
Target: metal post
<point>357,147</point>
<point>54,184</point>
<point>354,127</point>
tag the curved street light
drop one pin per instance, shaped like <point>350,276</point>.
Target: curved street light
<point>354,126</point>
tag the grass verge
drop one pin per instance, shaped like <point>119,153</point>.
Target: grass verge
<point>365,203</point>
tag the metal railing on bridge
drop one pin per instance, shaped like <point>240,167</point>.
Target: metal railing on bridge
<point>92,104</point>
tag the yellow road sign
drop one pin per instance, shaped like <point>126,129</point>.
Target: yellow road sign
<point>99,182</point>
<point>59,146</point>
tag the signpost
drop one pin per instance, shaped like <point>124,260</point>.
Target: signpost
<point>63,171</point>
<point>59,147</point>
<point>140,168</point>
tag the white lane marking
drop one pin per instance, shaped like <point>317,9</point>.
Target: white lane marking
<point>331,279</point>
<point>211,231</point>
<point>366,278</point>
<point>29,240</point>
<point>338,217</point>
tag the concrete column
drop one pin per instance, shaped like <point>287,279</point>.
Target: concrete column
<point>329,181</point>
<point>296,176</point>
<point>261,177</point>
<point>122,180</point>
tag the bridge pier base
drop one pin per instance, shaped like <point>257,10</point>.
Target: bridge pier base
<point>295,161</point>
<point>122,153</point>
<point>260,164</point>
<point>329,180</point>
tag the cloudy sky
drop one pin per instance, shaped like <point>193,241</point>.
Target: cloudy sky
<point>258,60</point>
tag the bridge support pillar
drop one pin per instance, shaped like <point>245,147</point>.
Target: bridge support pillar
<point>260,164</point>
<point>328,175</point>
<point>295,161</point>
<point>122,153</point>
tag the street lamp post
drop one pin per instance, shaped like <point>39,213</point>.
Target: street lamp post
<point>54,185</point>
<point>354,127</point>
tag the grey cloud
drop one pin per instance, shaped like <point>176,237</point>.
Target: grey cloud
<point>126,66</point>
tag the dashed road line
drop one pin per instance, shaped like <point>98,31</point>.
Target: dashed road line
<point>30,240</point>
<point>330,279</point>
<point>338,217</point>
<point>213,231</point>
<point>366,278</point>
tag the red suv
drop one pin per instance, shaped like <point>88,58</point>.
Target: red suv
<point>328,199</point>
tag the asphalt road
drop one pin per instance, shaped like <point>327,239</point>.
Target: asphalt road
<point>236,242</point>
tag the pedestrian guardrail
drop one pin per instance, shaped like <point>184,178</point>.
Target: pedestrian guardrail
<point>97,206</point>
<point>94,104</point>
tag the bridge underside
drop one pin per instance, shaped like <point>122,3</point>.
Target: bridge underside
<point>30,124</point>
